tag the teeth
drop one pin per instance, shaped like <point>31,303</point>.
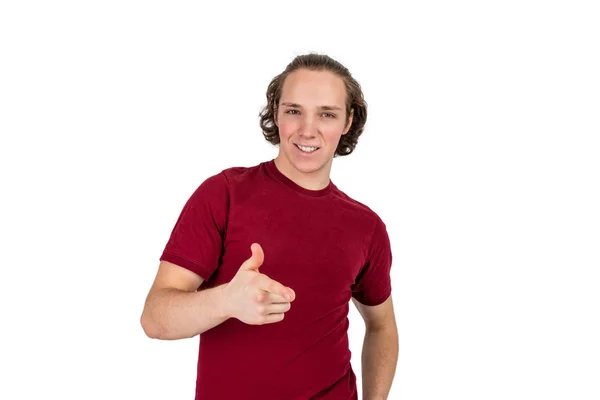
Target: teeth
<point>307,149</point>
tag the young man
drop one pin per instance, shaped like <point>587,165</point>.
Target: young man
<point>263,260</point>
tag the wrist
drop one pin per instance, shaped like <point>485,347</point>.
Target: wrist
<point>221,302</point>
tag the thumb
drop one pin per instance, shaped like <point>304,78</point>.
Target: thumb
<point>256,260</point>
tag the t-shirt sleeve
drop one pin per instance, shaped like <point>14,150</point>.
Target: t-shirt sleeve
<point>196,241</point>
<point>373,284</point>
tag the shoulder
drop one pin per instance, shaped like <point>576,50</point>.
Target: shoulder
<point>350,204</point>
<point>226,185</point>
<point>224,178</point>
<point>239,174</point>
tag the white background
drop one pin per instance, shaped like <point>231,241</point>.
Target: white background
<point>481,154</point>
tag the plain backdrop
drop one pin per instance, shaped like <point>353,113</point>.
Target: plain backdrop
<point>480,153</point>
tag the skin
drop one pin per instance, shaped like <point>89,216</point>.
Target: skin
<point>303,119</point>
<point>176,309</point>
<point>311,112</point>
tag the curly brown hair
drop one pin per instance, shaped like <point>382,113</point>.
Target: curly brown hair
<point>354,100</point>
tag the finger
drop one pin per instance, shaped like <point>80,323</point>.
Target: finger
<point>277,308</point>
<point>256,259</point>
<point>268,298</point>
<point>272,318</point>
<point>269,285</point>
<point>272,298</point>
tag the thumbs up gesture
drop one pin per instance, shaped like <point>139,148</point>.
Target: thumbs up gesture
<point>254,298</point>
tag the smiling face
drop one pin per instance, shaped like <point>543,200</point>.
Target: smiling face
<point>311,117</point>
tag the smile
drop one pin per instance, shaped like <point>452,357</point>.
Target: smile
<point>306,149</point>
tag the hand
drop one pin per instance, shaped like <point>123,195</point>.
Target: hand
<point>254,298</point>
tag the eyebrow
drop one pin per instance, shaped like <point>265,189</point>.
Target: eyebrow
<point>328,108</point>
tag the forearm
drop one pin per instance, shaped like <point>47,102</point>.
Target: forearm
<point>171,314</point>
<point>379,359</point>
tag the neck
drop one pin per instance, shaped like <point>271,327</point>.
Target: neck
<point>312,180</point>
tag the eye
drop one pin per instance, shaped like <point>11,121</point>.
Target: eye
<point>292,112</point>
<point>329,115</point>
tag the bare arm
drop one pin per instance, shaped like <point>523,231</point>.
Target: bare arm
<point>380,349</point>
<point>379,358</point>
<point>175,310</point>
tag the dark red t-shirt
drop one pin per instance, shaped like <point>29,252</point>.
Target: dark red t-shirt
<point>324,245</point>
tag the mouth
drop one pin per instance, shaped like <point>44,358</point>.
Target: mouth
<point>307,149</point>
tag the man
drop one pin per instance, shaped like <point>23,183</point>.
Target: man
<point>263,260</point>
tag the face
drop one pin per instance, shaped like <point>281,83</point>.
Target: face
<point>311,113</point>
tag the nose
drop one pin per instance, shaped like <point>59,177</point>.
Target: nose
<point>308,126</point>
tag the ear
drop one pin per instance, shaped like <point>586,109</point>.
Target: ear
<point>350,118</point>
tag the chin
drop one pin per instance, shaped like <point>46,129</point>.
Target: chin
<point>306,165</point>
<point>307,168</point>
